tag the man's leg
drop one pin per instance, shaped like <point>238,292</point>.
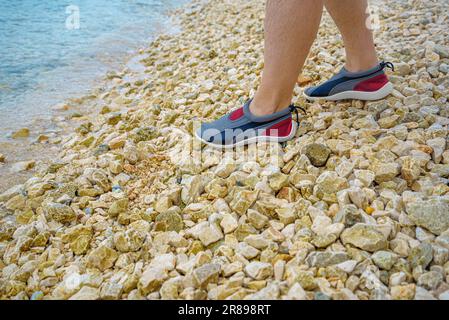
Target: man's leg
<point>290,29</point>
<point>351,18</point>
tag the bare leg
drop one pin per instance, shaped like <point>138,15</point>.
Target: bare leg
<point>351,17</point>
<point>290,29</point>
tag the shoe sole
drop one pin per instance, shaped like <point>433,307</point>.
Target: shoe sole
<point>252,140</point>
<point>357,95</point>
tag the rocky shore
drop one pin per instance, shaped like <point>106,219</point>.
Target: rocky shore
<point>355,207</point>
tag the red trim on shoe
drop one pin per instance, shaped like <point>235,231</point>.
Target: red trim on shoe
<point>237,114</point>
<point>372,84</point>
<point>280,129</point>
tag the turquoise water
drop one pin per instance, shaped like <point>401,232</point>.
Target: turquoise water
<point>51,50</point>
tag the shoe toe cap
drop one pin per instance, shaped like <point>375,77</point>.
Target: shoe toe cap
<point>209,134</point>
<point>309,91</point>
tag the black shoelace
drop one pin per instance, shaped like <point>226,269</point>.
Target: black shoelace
<point>387,64</point>
<point>294,109</point>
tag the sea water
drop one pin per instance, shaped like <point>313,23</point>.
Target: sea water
<point>51,50</point>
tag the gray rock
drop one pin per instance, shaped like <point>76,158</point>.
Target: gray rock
<point>151,280</point>
<point>442,51</point>
<point>384,259</point>
<point>440,255</point>
<point>423,294</point>
<point>421,255</point>
<point>259,270</point>
<point>433,71</point>
<point>348,215</point>
<point>441,170</point>
<point>431,214</point>
<point>443,239</point>
<point>317,154</point>
<point>296,292</point>
<point>329,182</point>
<point>207,273</point>
<point>111,291</point>
<point>385,172</point>
<point>444,295</point>
<point>364,236</point>
<point>444,68</point>
<point>430,280</point>
<point>376,107</point>
<point>324,259</point>
<point>321,296</point>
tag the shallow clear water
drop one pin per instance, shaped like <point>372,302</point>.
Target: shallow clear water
<point>47,54</point>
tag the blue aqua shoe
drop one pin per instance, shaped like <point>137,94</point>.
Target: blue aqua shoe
<point>372,84</point>
<point>241,127</point>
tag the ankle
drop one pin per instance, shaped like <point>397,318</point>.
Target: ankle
<point>358,66</point>
<point>261,106</point>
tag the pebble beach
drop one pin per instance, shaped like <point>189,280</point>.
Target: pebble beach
<point>131,206</point>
